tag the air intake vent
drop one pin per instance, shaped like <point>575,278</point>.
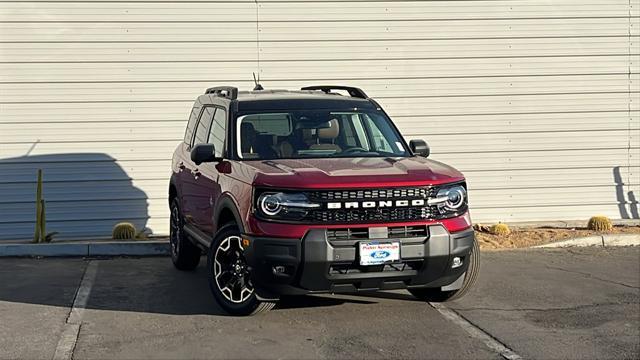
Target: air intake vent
<point>347,234</point>
<point>408,231</point>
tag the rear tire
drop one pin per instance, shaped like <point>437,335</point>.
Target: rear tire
<point>229,276</point>
<point>184,254</point>
<point>471,276</point>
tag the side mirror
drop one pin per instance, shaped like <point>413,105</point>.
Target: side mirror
<point>203,153</point>
<point>420,147</point>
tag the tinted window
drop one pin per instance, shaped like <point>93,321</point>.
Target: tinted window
<point>317,134</point>
<point>188,134</point>
<point>378,138</point>
<point>270,124</point>
<point>217,133</point>
<point>202,131</point>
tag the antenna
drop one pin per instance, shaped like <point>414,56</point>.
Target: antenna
<point>257,82</point>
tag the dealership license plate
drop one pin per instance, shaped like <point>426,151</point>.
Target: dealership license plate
<point>374,253</point>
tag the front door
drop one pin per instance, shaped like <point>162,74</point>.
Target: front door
<point>191,179</point>
<point>206,188</point>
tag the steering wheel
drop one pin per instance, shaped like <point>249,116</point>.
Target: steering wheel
<point>354,149</point>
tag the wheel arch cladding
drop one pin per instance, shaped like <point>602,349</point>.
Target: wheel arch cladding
<point>226,212</point>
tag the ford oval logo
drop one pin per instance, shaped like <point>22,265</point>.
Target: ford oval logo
<point>380,254</point>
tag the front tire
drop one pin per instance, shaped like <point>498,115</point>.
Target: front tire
<point>229,276</point>
<point>184,254</point>
<point>470,278</point>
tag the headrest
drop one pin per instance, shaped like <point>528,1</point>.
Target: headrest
<point>246,128</point>
<point>331,132</point>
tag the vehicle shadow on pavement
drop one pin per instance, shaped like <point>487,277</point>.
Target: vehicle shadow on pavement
<point>315,301</point>
<point>140,285</point>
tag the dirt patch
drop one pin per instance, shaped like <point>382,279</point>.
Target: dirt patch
<point>527,237</point>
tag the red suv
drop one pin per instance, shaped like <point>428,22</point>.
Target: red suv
<point>314,191</point>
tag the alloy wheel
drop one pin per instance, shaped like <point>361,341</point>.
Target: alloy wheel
<point>230,271</point>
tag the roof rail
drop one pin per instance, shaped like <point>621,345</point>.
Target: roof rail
<point>353,91</point>
<point>229,92</point>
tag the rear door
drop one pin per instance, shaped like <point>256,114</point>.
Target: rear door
<point>182,155</point>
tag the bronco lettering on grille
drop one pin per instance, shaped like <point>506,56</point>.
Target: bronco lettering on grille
<point>375,204</point>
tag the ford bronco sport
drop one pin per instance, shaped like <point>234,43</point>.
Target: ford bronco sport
<point>312,191</point>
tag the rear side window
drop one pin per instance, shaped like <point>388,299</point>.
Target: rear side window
<point>202,130</point>
<point>269,124</point>
<point>188,134</point>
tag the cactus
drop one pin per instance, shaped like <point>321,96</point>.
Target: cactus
<point>500,229</point>
<point>124,230</point>
<point>600,223</point>
<point>40,231</point>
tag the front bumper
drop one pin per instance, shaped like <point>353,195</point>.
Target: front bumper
<point>317,264</point>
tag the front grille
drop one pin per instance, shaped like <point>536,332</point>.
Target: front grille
<point>379,214</point>
<point>370,194</point>
<point>364,215</point>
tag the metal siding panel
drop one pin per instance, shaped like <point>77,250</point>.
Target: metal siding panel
<point>310,50</point>
<point>311,11</point>
<point>534,102</point>
<point>315,70</point>
<point>379,89</point>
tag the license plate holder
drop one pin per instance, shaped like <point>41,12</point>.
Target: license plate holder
<point>378,253</point>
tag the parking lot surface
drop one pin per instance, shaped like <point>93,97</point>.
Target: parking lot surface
<point>556,303</point>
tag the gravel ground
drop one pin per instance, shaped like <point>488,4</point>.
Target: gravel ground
<point>525,237</point>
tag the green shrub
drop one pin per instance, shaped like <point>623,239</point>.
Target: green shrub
<point>600,223</point>
<point>124,230</point>
<point>500,229</point>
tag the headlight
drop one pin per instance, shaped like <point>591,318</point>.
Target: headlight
<point>284,206</point>
<point>270,204</point>
<point>450,199</point>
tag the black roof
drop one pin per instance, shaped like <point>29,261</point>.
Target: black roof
<point>291,100</point>
<point>310,97</point>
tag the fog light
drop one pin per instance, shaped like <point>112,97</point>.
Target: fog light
<point>457,262</point>
<point>278,269</point>
<point>246,243</point>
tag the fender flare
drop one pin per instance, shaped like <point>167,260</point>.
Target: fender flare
<point>172,182</point>
<point>227,202</point>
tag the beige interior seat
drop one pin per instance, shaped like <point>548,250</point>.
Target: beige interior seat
<point>326,137</point>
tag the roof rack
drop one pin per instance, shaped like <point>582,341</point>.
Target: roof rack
<point>229,92</point>
<point>353,91</point>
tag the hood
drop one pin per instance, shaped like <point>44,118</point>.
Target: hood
<point>348,172</point>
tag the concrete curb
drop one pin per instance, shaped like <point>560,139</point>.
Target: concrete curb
<point>597,240</point>
<point>106,248</point>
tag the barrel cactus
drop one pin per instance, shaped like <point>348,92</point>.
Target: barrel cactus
<point>124,230</point>
<point>600,223</point>
<point>500,229</point>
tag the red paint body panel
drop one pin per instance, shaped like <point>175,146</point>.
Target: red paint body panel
<point>340,173</point>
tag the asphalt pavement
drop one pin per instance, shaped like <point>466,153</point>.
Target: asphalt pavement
<point>543,303</point>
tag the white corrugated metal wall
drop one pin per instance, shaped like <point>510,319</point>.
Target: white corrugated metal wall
<point>535,101</point>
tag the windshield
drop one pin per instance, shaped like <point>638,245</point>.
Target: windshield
<point>317,134</point>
